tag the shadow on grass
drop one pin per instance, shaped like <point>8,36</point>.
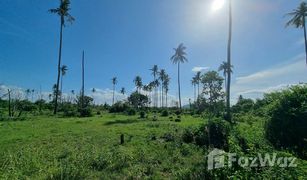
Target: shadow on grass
<point>127,121</point>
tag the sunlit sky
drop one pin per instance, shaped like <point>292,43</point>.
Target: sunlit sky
<point>126,38</point>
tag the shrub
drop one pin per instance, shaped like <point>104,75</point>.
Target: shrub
<point>142,114</point>
<point>177,120</point>
<point>287,125</point>
<point>131,112</point>
<point>119,107</point>
<point>188,136</point>
<point>178,112</point>
<point>164,113</point>
<point>155,118</point>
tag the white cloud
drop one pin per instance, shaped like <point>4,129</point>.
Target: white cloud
<point>269,80</point>
<point>198,69</point>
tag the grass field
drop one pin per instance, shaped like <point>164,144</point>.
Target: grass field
<point>89,148</point>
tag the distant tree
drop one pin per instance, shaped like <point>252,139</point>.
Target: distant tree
<point>32,92</point>
<point>299,20</point>
<point>84,105</point>
<point>28,92</point>
<point>212,83</point>
<point>138,83</point>
<point>155,71</point>
<point>63,12</point>
<point>194,83</point>
<point>166,87</point>
<point>123,91</point>
<point>63,73</point>
<point>162,77</point>
<point>177,58</point>
<point>198,80</point>
<point>225,67</point>
<point>114,82</point>
<point>138,100</point>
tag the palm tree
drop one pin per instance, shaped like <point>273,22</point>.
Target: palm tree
<point>63,12</point>
<point>82,88</point>
<point>299,20</point>
<point>155,71</point>
<point>138,83</point>
<point>166,86</point>
<point>162,76</point>
<point>114,82</point>
<point>177,58</point>
<point>194,83</point>
<point>123,91</point>
<point>28,91</point>
<point>228,115</point>
<point>32,91</point>
<point>63,73</point>
<point>224,67</point>
<point>198,79</point>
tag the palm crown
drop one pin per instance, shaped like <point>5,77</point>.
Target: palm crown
<point>63,11</point>
<point>299,14</point>
<point>179,56</point>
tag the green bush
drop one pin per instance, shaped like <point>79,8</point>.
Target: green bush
<point>119,107</point>
<point>131,112</point>
<point>188,136</point>
<point>287,125</point>
<point>164,113</point>
<point>142,114</point>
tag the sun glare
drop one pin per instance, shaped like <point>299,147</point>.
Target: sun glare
<point>217,4</point>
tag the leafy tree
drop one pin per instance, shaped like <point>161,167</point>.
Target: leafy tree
<point>84,105</point>
<point>63,12</point>
<point>138,100</point>
<point>299,20</point>
<point>243,105</point>
<point>162,77</point>
<point>212,83</point>
<point>287,125</point>
<point>177,58</point>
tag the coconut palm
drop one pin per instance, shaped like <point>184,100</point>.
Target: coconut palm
<point>198,79</point>
<point>155,71</point>
<point>177,58</point>
<point>63,73</point>
<point>166,86</point>
<point>114,82</point>
<point>28,91</point>
<point>194,83</point>
<point>123,91</point>
<point>299,20</point>
<point>162,76</point>
<point>138,83</point>
<point>32,92</point>
<point>63,12</point>
<point>224,67</point>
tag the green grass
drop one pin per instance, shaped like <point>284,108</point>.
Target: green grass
<point>89,148</point>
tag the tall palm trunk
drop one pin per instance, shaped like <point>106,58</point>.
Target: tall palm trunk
<point>229,64</point>
<point>82,98</point>
<point>59,68</point>
<point>179,85</point>
<point>305,36</point>
<point>166,98</point>
<point>114,94</point>
<point>162,95</point>
<point>194,93</point>
<point>10,109</point>
<point>61,89</point>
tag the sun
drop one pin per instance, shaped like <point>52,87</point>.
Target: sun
<point>217,4</point>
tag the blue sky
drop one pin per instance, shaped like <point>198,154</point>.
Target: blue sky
<point>126,38</point>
